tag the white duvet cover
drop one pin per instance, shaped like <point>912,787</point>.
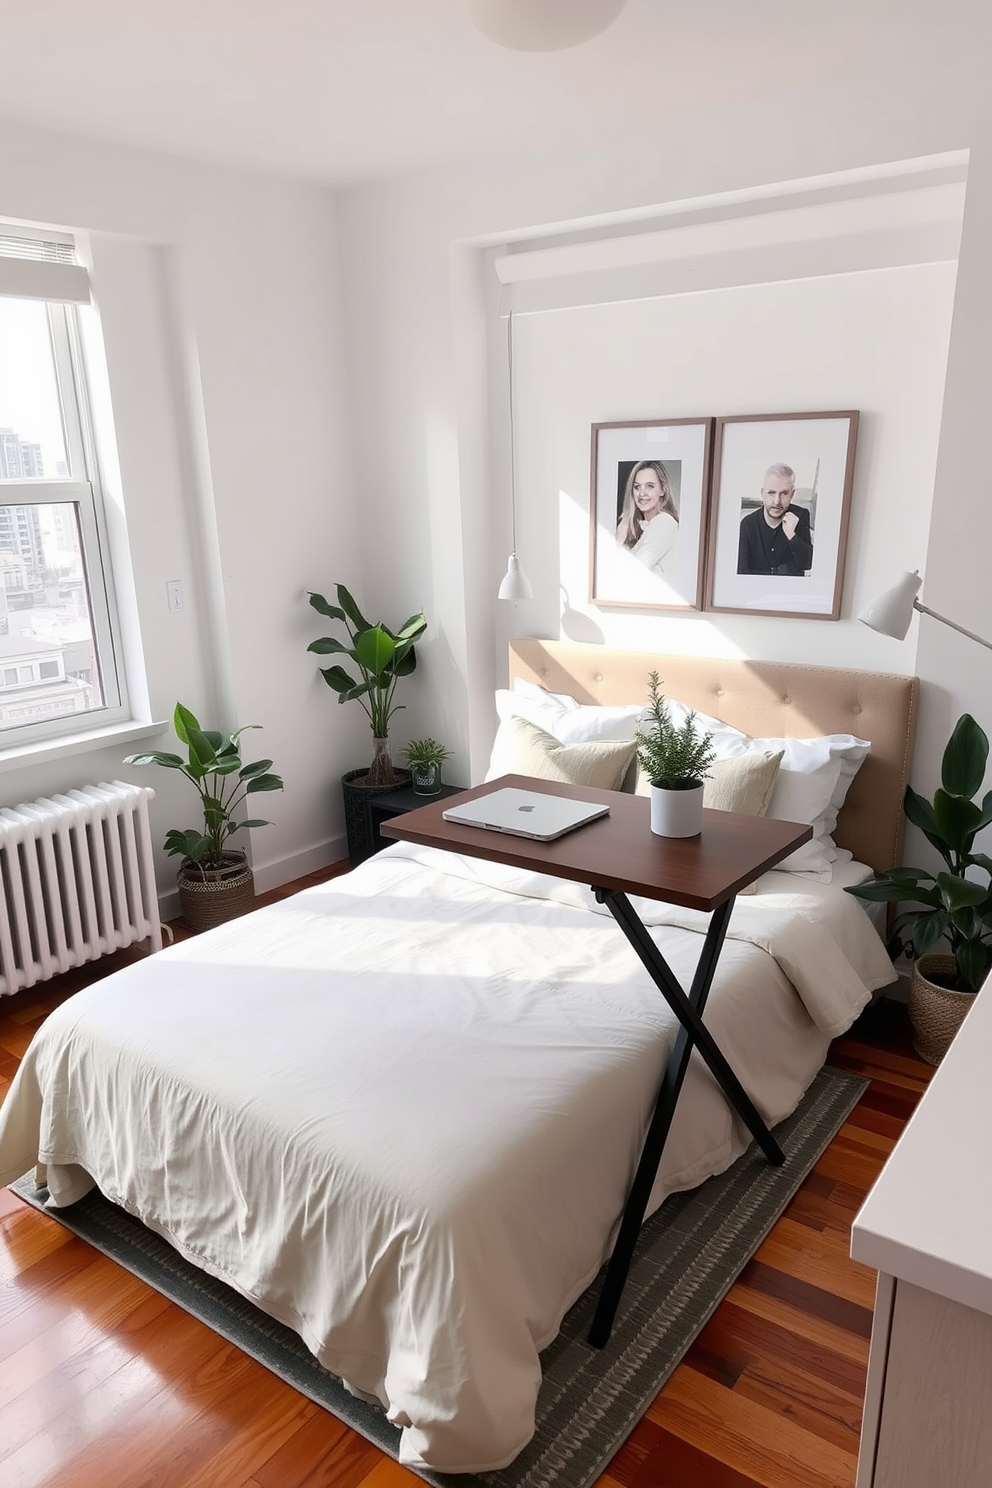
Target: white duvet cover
<point>400,1111</point>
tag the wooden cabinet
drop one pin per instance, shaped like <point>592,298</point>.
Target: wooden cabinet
<point>926,1228</point>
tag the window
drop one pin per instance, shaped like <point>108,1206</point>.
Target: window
<point>59,647</point>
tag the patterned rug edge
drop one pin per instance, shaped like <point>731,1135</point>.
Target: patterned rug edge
<point>590,1399</point>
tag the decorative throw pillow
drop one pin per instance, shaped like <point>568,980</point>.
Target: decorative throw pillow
<point>530,750</point>
<point>810,787</point>
<point>743,783</point>
<point>567,720</point>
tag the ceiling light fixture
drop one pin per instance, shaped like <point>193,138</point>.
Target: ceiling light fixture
<point>542,25</point>
<point>515,583</point>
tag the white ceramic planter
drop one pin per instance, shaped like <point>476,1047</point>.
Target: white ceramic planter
<point>677,813</point>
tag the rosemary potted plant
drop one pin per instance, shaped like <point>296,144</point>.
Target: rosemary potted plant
<point>215,881</point>
<point>676,758</point>
<point>425,758</point>
<point>951,907</point>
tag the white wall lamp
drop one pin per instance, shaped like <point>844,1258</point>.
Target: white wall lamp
<point>891,613</point>
<point>515,583</point>
<point>542,25</point>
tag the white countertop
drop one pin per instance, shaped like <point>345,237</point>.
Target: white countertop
<point>928,1219</point>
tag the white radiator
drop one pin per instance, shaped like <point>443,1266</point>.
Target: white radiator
<point>76,881</point>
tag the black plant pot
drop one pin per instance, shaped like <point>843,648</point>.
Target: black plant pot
<point>357,820</point>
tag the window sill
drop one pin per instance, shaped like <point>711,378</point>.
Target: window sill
<point>51,749</point>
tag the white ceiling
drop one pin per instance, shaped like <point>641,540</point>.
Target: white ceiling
<point>341,91</point>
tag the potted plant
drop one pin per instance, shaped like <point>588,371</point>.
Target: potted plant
<point>215,881</point>
<point>953,905</point>
<point>381,657</point>
<point>425,758</point>
<point>676,759</point>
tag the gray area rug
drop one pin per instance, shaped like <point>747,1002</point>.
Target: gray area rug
<point>688,1255</point>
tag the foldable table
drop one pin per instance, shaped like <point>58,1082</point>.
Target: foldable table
<point>618,855</point>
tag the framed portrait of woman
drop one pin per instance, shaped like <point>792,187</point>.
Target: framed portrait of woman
<point>779,513</point>
<point>650,481</point>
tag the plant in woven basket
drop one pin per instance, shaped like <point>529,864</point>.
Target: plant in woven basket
<point>672,756</point>
<point>953,905</point>
<point>381,657</point>
<point>213,766</point>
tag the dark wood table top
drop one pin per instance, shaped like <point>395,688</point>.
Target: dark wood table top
<point>618,851</point>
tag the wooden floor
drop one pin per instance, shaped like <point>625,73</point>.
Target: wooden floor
<point>105,1384</point>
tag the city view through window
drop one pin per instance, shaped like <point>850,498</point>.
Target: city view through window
<point>49,666</point>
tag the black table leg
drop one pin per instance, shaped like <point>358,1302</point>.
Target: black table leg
<point>688,1010</point>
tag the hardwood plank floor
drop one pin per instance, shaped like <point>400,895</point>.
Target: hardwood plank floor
<point>105,1384</point>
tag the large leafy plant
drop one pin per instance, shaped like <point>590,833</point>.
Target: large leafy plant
<point>381,656</point>
<point>955,903</point>
<point>213,765</point>
<point>673,756</point>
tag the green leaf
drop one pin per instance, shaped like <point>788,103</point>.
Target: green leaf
<point>956,820</point>
<point>322,607</point>
<point>200,748</point>
<point>338,678</point>
<point>919,811</point>
<point>980,860</point>
<point>404,662</point>
<point>374,650</point>
<point>225,764</point>
<point>973,959</point>
<point>878,891</point>
<point>355,690</point>
<point>965,757</point>
<point>182,721</point>
<point>957,892</point>
<point>928,930</point>
<point>327,646</point>
<point>250,823</point>
<point>156,757</point>
<point>263,783</point>
<point>411,630</point>
<point>190,843</point>
<point>257,767</point>
<point>351,610</point>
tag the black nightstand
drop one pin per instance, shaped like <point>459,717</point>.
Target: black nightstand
<point>395,803</point>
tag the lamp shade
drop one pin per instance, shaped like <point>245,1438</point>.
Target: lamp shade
<point>891,613</point>
<point>515,583</point>
<point>542,25</point>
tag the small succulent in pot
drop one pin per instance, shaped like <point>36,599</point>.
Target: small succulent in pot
<point>672,756</point>
<point>425,758</point>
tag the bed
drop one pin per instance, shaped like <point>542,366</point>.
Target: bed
<point>400,1110</point>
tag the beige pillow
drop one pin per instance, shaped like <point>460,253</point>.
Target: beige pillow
<point>535,752</point>
<point>743,783</point>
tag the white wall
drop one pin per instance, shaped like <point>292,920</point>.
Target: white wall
<point>219,301</point>
<point>876,342</point>
<point>405,250</point>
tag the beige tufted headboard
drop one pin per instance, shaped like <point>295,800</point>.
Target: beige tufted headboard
<point>765,699</point>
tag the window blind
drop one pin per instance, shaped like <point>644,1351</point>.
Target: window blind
<point>41,266</point>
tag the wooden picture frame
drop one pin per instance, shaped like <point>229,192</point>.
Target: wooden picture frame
<point>657,563</point>
<point>766,468</point>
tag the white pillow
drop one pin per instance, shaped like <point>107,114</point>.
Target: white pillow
<point>569,721</point>
<point>810,787</point>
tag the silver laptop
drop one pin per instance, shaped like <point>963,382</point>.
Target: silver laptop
<point>525,813</point>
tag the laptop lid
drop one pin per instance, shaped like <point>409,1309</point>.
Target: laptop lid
<point>525,813</point>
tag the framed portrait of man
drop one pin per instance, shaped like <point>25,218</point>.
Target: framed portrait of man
<point>779,513</point>
<point>650,480</point>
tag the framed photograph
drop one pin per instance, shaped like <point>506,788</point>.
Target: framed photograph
<point>648,513</point>
<point>779,513</point>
